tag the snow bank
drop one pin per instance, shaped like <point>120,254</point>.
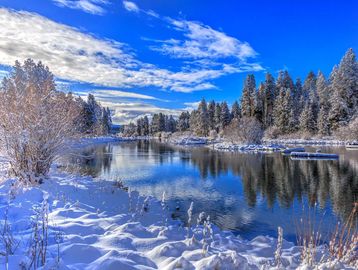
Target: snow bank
<point>188,140</point>
<point>226,146</point>
<point>306,141</point>
<point>104,227</point>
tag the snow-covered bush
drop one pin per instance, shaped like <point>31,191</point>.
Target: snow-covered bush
<point>349,132</point>
<point>244,130</point>
<point>36,120</point>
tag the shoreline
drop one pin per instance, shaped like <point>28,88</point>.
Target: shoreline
<point>103,226</point>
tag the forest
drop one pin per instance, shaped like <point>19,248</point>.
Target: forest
<point>276,107</point>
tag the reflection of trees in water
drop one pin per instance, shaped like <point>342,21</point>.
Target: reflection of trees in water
<point>91,161</point>
<point>277,177</point>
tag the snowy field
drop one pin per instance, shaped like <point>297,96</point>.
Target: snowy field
<point>98,225</point>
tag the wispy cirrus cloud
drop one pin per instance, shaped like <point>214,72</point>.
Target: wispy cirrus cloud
<point>96,7</point>
<point>115,94</point>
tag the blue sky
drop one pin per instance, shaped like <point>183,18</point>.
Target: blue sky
<point>140,57</point>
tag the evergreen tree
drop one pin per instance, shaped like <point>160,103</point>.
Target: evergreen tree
<point>203,120</point>
<point>268,100</point>
<point>282,110</point>
<point>171,124</point>
<point>145,126</point>
<point>259,103</point>
<point>323,96</point>
<point>344,87</point>
<point>225,115</point>
<point>211,114</point>
<point>248,99</point>
<point>194,121</point>
<point>235,110</point>
<point>156,125</point>
<point>183,122</point>
<point>217,117</point>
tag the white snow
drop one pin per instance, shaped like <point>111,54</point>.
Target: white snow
<point>104,227</point>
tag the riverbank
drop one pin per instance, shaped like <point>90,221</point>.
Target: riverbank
<point>99,225</point>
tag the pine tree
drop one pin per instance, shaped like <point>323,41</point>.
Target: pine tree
<point>194,121</point>
<point>203,120</point>
<point>217,117</point>
<point>307,121</point>
<point>155,125</point>
<point>248,99</point>
<point>282,110</point>
<point>211,114</point>
<point>183,121</point>
<point>171,124</point>
<point>259,103</point>
<point>268,100</point>
<point>235,110</point>
<point>145,125</point>
<point>323,95</point>
<point>225,115</point>
<point>344,87</point>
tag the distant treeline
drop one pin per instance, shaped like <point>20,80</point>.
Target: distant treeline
<point>318,106</point>
<point>93,119</point>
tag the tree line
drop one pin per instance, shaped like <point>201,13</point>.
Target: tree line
<point>317,106</point>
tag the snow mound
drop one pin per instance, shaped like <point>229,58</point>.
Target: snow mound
<point>103,227</point>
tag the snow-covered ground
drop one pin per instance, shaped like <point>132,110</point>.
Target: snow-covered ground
<point>306,141</point>
<point>98,225</point>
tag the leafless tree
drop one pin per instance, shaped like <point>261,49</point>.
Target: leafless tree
<point>244,130</point>
<point>36,120</point>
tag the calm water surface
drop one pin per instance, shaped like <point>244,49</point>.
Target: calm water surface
<point>247,193</point>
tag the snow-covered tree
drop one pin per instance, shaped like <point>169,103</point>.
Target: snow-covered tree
<point>235,110</point>
<point>324,104</point>
<point>282,110</point>
<point>211,114</point>
<point>183,121</point>
<point>248,99</point>
<point>217,117</point>
<point>203,127</point>
<point>268,100</point>
<point>344,91</point>
<point>36,120</point>
<point>225,115</point>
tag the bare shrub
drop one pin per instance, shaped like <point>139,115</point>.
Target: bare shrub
<point>244,130</point>
<point>36,120</point>
<point>344,241</point>
<point>350,132</point>
<point>8,242</point>
<point>39,238</point>
<point>308,233</point>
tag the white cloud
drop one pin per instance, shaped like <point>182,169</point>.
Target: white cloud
<point>201,41</point>
<point>89,6</point>
<point>130,6</point>
<point>191,105</point>
<point>76,56</point>
<point>127,106</point>
<point>115,94</point>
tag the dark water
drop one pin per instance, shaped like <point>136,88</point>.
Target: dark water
<point>247,193</point>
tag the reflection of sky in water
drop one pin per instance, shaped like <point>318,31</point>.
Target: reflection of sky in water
<point>248,193</point>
